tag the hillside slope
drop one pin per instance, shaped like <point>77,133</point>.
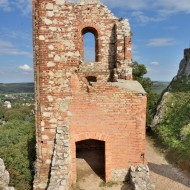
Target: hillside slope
<point>159,86</point>
<point>172,120</point>
<point>16,88</point>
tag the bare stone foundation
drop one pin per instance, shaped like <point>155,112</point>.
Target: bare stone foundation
<point>78,101</point>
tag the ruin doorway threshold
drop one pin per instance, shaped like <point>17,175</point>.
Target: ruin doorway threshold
<point>90,158</point>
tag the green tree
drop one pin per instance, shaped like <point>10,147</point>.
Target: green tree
<point>139,70</point>
<point>17,146</point>
<point>12,114</point>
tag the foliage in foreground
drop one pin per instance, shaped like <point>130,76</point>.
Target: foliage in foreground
<point>17,145</point>
<point>174,130</point>
<point>139,70</point>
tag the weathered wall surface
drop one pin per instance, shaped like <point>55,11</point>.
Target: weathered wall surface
<point>114,115</point>
<point>63,80</point>
<point>140,179</point>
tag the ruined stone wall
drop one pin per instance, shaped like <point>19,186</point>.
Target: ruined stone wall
<point>55,51</point>
<point>61,75</point>
<point>140,178</point>
<point>114,115</point>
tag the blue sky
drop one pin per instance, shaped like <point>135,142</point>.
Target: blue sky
<point>161,31</point>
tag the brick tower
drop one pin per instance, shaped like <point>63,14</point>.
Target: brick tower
<point>84,105</point>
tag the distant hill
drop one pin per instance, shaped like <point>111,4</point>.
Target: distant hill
<point>8,88</point>
<point>159,86</point>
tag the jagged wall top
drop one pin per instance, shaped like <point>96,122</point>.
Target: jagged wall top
<point>125,26</point>
<point>88,2</point>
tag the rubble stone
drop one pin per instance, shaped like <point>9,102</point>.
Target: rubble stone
<point>4,177</point>
<point>140,179</point>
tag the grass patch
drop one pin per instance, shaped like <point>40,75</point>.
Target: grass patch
<point>173,132</point>
<point>108,184</point>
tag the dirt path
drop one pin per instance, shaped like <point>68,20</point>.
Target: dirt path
<point>90,180</point>
<point>163,175</point>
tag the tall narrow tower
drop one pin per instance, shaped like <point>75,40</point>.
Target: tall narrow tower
<point>82,105</point>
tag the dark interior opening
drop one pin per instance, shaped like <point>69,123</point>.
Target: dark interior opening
<point>91,79</point>
<point>90,156</point>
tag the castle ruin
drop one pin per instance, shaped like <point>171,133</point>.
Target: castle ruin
<point>84,104</point>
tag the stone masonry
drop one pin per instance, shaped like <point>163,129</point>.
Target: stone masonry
<point>78,101</point>
<point>4,177</point>
<point>140,179</point>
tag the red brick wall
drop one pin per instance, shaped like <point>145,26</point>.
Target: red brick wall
<point>115,116</point>
<point>58,57</point>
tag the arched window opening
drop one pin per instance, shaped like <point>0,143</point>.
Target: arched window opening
<point>90,44</point>
<point>89,47</point>
<point>90,155</point>
<point>91,79</point>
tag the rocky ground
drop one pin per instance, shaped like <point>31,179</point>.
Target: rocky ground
<point>163,175</point>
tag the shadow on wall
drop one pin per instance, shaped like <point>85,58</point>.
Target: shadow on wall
<point>169,172</point>
<point>112,49</point>
<point>126,186</point>
<point>31,148</point>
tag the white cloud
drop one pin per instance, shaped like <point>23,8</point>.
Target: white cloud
<point>130,4</point>
<point>163,7</point>
<point>152,71</point>
<point>139,16</point>
<point>4,4</point>
<point>7,48</point>
<point>172,6</point>
<point>169,6</point>
<point>5,44</point>
<point>160,10</point>
<point>159,42</point>
<point>154,63</point>
<point>25,6</point>
<point>25,68</point>
<point>157,10</point>
<point>10,51</point>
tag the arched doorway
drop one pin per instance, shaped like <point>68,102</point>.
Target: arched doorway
<point>90,158</point>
